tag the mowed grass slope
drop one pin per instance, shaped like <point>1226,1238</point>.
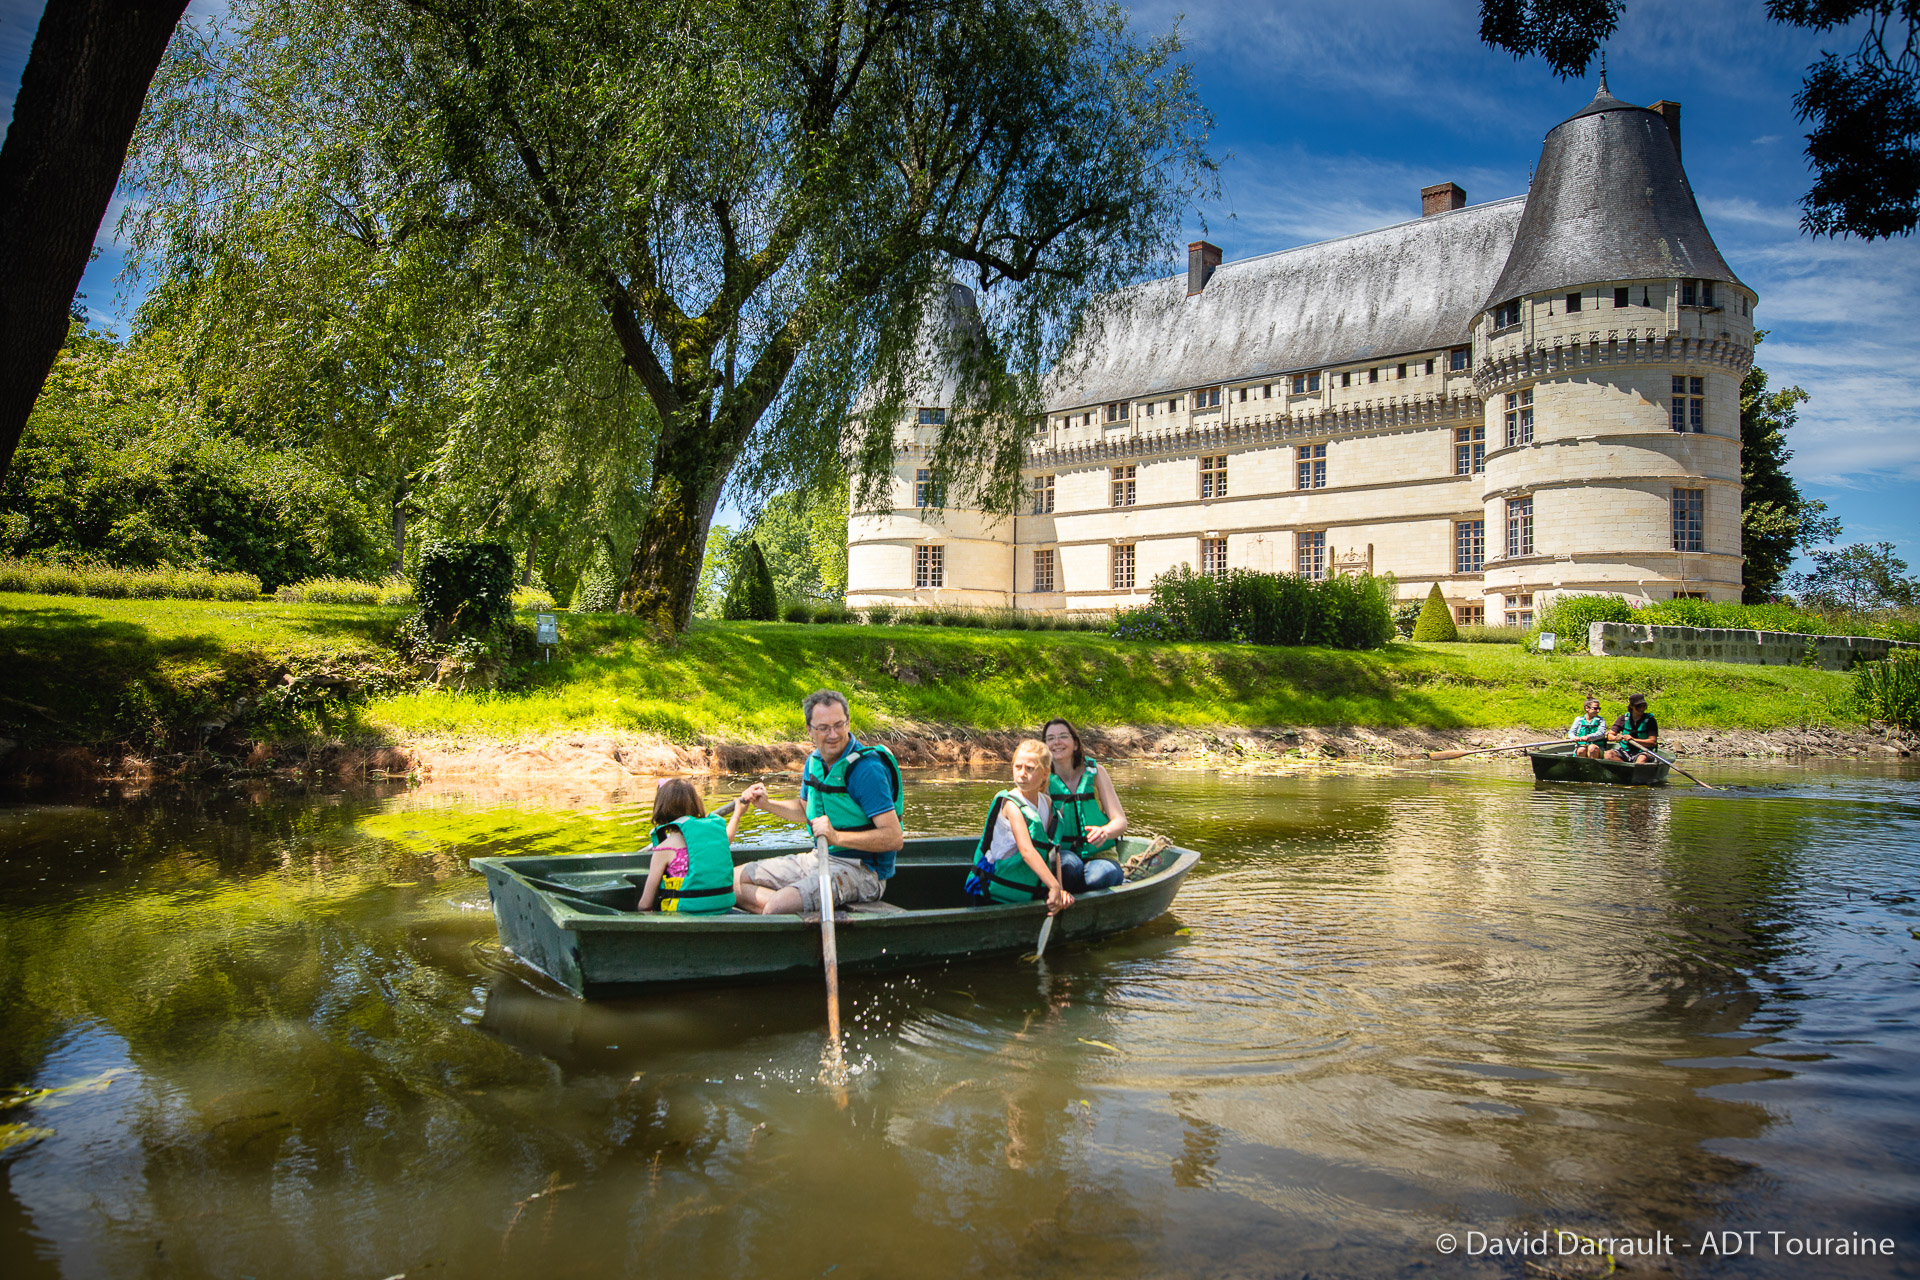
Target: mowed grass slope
<point>75,659</point>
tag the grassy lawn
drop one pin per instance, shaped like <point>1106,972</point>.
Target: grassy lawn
<point>78,658</point>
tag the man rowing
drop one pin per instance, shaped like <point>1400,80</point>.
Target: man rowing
<point>1634,734</point>
<point>850,795</point>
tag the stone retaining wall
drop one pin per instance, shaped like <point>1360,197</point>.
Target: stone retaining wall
<point>1728,644</point>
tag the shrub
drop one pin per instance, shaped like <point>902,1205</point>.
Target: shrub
<point>796,611</point>
<point>1272,609</point>
<point>532,600</point>
<point>1144,623</point>
<point>750,595</point>
<point>598,590</point>
<point>394,590</point>
<point>106,582</point>
<point>465,588</point>
<point>1569,617</point>
<point>880,615</point>
<point>1889,690</point>
<point>1492,635</point>
<point>1435,624</point>
<point>1406,615</point>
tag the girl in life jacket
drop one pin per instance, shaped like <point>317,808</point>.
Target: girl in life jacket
<point>1012,862</point>
<point>692,867</point>
<point>1091,818</point>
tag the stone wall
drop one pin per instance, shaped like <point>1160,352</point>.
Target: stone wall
<point>1718,644</point>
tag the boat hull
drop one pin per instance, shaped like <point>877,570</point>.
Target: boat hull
<point>1558,763</point>
<point>571,918</point>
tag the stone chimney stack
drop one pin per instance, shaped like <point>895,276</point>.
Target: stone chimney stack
<point>1202,258</point>
<point>1670,112</point>
<point>1441,199</point>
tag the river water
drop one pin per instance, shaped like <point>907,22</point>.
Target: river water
<point>282,1040</point>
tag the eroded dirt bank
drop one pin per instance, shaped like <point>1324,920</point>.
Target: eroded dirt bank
<point>615,761</point>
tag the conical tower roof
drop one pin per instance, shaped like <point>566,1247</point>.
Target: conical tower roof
<point>1609,202</point>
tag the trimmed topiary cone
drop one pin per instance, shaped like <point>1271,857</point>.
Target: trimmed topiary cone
<point>1436,619</point>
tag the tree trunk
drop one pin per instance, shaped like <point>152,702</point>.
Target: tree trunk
<point>664,575</point>
<point>79,99</point>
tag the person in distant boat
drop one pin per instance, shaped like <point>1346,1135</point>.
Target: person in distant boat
<point>692,867</point>
<point>850,794</point>
<point>1091,817</point>
<point>1589,730</point>
<point>1634,733</point>
<point>1013,861</point>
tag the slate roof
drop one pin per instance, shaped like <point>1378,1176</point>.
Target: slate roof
<point>1412,287</point>
<point>1609,202</point>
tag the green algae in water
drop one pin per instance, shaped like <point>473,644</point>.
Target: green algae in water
<point>506,829</point>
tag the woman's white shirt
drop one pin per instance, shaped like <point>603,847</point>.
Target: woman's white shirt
<point>1002,843</point>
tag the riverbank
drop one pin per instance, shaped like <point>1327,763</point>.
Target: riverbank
<point>126,688</point>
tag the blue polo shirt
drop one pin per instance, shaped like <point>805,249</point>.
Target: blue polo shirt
<point>870,785</point>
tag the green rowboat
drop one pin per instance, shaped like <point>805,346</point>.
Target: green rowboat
<point>1557,763</point>
<point>573,918</point>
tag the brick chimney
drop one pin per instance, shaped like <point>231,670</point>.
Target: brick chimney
<point>1202,258</point>
<point>1441,199</point>
<point>1670,112</point>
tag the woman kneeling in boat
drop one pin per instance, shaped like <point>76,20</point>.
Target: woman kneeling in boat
<point>692,867</point>
<point>1091,819</point>
<point>1010,862</point>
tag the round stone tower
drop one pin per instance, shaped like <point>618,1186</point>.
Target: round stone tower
<point>1610,355</point>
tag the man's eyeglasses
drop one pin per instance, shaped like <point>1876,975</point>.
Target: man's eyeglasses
<point>837,727</point>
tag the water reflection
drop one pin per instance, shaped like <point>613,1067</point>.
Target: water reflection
<point>1385,1004</point>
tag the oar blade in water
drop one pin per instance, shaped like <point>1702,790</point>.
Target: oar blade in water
<point>1040,948</point>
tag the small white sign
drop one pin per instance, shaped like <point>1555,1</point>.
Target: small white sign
<point>546,629</point>
<point>1547,641</point>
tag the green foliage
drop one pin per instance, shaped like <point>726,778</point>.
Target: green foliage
<point>394,590</point>
<point>120,465</point>
<point>532,600</point>
<point>1476,634</point>
<point>1889,690</point>
<point>1569,616</point>
<point>803,535</point>
<point>464,588</point>
<point>1436,619</point>
<point>1271,609</point>
<point>796,611</point>
<point>1406,615</point>
<point>1776,522</point>
<point>598,590</point>
<point>104,582</point>
<point>880,615</point>
<point>750,593</point>
<point>1857,578</point>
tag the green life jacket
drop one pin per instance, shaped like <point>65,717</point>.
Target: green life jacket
<point>1589,729</point>
<point>824,791</point>
<point>1079,811</point>
<point>708,885</point>
<point>1010,879</point>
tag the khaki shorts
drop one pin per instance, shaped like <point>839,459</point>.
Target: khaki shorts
<point>853,880</point>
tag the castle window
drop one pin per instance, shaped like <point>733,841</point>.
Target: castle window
<point>1429,364</point>
<point>1311,466</point>
<point>1039,426</point>
<point>1507,314</point>
<point>1459,359</point>
<point>1573,303</point>
<point>1520,610</point>
<point>1469,545</point>
<point>1620,297</point>
<point>1470,450</point>
<point>1373,375</point>
<point>1151,406</point>
<point>1243,395</point>
<point>1123,566</point>
<point>933,418</point>
<point>1207,398</point>
<point>1470,615</point>
<point>1696,293</point>
<point>1519,527</point>
<point>1042,495</point>
<point>1043,570</point>
<point>1213,557</point>
<point>1520,417</point>
<point>1266,392</point>
<point>1310,554</point>
<point>1213,476</point>
<point>1346,378</point>
<point>1689,519</point>
<point>1400,372</point>
<point>929,566</point>
<point>1117,412</point>
<point>1303,383</point>
<point>1688,412</point>
<point>1123,486</point>
<point>928,492</point>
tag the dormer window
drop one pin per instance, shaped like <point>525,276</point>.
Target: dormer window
<point>1507,314</point>
<point>1303,383</point>
<point>1573,303</point>
<point>1207,398</point>
<point>1460,359</point>
<point>1117,412</point>
<point>1696,293</point>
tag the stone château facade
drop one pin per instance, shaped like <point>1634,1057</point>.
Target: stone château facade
<point>1511,399</point>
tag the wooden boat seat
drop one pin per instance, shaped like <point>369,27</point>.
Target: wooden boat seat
<point>874,909</point>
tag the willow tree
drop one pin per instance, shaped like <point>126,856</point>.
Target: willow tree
<point>762,200</point>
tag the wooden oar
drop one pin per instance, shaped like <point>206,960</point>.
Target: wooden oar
<point>1518,746</point>
<point>830,955</point>
<point>1046,926</point>
<point>1676,768</point>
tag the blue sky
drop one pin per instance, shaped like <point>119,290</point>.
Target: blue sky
<point>1330,118</point>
